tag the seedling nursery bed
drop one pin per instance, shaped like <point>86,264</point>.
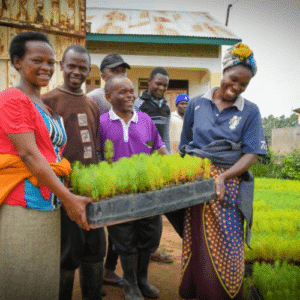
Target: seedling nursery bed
<point>131,207</point>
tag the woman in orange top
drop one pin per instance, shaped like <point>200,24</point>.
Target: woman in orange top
<point>33,137</point>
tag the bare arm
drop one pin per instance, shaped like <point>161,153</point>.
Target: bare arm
<point>174,147</point>
<point>37,164</point>
<point>242,165</point>
<point>163,151</point>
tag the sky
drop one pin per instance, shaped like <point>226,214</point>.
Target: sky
<point>271,28</point>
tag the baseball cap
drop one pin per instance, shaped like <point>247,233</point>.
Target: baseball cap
<point>181,98</point>
<point>113,60</point>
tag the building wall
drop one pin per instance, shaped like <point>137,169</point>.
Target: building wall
<point>199,64</point>
<point>62,20</point>
<point>198,79</point>
<point>285,139</point>
<point>198,82</point>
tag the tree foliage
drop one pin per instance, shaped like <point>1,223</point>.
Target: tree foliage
<point>271,122</point>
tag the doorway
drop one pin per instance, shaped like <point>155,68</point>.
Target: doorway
<point>175,88</point>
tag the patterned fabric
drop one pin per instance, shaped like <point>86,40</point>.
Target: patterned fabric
<point>18,114</point>
<point>239,54</point>
<point>222,237</point>
<point>55,126</point>
<point>34,195</point>
<point>187,240</point>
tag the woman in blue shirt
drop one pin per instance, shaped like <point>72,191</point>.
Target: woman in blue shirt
<point>226,128</point>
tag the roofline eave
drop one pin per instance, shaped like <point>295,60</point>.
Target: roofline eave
<point>162,39</point>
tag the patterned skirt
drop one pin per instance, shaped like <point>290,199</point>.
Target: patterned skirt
<point>213,248</point>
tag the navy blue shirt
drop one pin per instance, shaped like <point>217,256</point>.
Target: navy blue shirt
<point>240,123</point>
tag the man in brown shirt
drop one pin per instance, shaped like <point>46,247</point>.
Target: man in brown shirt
<point>79,248</point>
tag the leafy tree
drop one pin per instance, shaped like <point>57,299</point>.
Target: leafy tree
<point>271,122</point>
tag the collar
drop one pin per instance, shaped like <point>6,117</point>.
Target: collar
<point>146,96</point>
<point>113,116</point>
<point>71,93</point>
<point>239,102</point>
<point>175,114</point>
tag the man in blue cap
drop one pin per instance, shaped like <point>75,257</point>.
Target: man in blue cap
<point>176,121</point>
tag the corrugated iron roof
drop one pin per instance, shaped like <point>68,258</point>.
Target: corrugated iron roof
<point>105,21</point>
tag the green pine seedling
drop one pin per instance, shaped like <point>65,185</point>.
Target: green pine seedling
<point>109,150</point>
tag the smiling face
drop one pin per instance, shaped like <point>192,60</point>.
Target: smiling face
<point>121,95</point>
<point>158,85</point>
<point>36,67</point>
<point>75,68</point>
<point>234,82</point>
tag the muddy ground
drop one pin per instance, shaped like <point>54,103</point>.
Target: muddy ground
<point>165,277</point>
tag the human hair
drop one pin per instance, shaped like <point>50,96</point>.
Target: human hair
<point>158,70</point>
<point>18,44</point>
<point>76,48</point>
<point>112,81</point>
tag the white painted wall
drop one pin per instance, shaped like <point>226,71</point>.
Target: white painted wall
<point>211,64</point>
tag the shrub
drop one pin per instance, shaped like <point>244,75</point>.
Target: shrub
<point>291,165</point>
<point>267,166</point>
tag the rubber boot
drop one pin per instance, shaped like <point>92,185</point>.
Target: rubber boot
<point>66,284</point>
<point>91,277</point>
<point>147,289</point>
<point>129,266</point>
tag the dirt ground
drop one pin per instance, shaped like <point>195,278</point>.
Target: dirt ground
<point>165,277</point>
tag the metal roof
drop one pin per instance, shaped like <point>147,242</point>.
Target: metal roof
<point>156,27</point>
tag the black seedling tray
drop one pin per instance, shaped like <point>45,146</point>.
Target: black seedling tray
<point>136,206</point>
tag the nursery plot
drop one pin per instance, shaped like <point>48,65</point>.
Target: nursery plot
<point>276,222</point>
<point>278,281</point>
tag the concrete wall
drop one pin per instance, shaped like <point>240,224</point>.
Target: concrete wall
<point>199,64</point>
<point>285,139</point>
<point>199,80</point>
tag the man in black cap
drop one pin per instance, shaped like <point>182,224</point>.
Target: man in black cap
<point>111,65</point>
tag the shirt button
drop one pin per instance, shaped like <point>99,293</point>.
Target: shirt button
<point>217,115</point>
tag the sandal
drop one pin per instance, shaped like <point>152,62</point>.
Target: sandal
<point>118,283</point>
<point>159,257</point>
<point>111,278</point>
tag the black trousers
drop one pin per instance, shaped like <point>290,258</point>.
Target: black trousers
<point>139,235</point>
<point>80,246</point>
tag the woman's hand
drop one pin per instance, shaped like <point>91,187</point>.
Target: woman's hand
<point>220,187</point>
<point>242,165</point>
<point>75,207</point>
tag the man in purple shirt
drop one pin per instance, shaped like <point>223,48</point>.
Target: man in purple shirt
<point>130,133</point>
